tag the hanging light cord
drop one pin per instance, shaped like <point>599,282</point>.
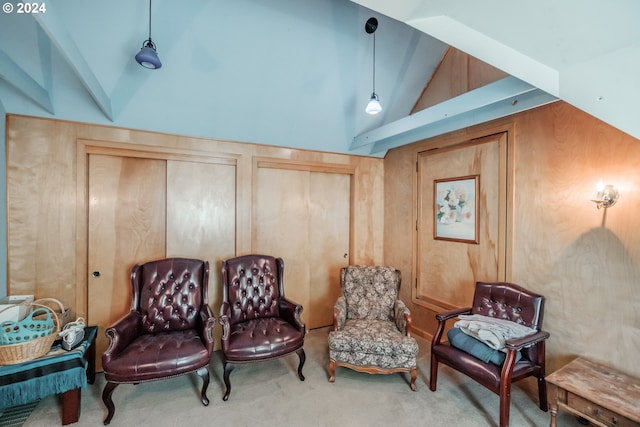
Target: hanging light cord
<point>374,62</point>
<point>150,21</point>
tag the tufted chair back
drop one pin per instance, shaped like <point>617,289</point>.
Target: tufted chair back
<point>370,291</point>
<point>504,300</point>
<point>254,287</point>
<point>169,293</point>
<point>168,331</point>
<point>508,301</point>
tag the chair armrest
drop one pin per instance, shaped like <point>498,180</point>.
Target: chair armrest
<point>528,341</point>
<point>290,311</point>
<point>121,333</point>
<point>225,311</point>
<point>442,320</point>
<point>339,313</point>
<point>402,317</point>
<point>450,314</point>
<point>208,321</point>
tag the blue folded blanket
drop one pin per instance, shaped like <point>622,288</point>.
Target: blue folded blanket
<point>477,348</point>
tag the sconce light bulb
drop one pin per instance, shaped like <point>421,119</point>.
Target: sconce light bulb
<point>600,186</point>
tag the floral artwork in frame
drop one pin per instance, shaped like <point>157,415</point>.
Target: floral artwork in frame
<point>456,209</point>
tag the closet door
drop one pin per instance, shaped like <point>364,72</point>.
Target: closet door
<point>201,218</point>
<point>127,205</point>
<point>304,217</point>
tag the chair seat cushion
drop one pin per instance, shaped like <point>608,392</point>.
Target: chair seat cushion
<point>488,373</point>
<point>262,338</point>
<point>366,342</point>
<point>158,355</point>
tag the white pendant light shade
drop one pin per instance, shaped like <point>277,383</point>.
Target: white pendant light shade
<point>373,107</point>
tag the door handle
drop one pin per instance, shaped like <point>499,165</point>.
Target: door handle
<point>96,274</point>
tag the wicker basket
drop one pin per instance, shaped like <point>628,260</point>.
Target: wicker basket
<point>30,338</point>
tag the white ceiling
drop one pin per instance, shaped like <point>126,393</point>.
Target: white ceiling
<point>298,73</point>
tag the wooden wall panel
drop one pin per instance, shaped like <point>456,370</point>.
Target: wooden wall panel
<point>47,197</point>
<point>41,210</point>
<point>447,270</point>
<point>584,260</point>
<point>456,74</point>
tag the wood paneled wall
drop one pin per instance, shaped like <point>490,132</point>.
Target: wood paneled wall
<point>46,200</point>
<point>584,260</point>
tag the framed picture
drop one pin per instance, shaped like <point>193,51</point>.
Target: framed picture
<point>456,209</point>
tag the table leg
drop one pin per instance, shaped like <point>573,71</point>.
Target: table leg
<point>91,361</point>
<point>71,406</point>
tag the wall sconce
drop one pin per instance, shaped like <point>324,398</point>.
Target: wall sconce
<point>607,195</point>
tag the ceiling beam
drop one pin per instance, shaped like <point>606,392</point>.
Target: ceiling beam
<point>61,38</point>
<point>499,99</point>
<point>14,75</point>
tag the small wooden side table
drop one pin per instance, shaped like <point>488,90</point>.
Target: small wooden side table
<point>603,396</point>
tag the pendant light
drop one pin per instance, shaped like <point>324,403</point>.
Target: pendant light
<point>373,107</point>
<point>148,57</point>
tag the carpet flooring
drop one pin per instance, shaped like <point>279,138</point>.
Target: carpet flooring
<point>270,394</point>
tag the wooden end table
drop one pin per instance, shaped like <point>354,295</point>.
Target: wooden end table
<point>603,396</point>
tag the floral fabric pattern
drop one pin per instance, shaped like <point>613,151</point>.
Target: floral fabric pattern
<point>372,343</point>
<point>370,291</point>
<point>371,327</point>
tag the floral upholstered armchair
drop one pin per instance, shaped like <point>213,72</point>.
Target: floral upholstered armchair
<point>371,326</point>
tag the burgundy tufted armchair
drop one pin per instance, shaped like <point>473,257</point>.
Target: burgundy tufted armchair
<point>258,323</point>
<point>525,356</point>
<point>168,331</point>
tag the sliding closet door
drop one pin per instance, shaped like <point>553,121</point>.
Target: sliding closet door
<point>304,217</point>
<point>201,217</point>
<point>127,199</point>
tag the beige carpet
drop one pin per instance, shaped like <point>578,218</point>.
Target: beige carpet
<point>270,394</point>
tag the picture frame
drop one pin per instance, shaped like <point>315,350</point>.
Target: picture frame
<point>455,202</point>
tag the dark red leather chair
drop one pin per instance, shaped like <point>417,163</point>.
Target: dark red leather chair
<point>503,301</point>
<point>258,322</point>
<point>168,331</point>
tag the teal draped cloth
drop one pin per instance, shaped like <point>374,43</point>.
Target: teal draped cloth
<point>56,372</point>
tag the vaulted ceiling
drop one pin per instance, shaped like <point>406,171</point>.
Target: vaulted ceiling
<point>299,73</point>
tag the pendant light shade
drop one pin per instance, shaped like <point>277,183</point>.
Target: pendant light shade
<point>374,106</point>
<point>148,56</point>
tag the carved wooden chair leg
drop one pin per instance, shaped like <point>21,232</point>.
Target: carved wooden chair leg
<point>228,367</point>
<point>204,374</point>
<point>332,371</point>
<point>414,376</point>
<point>106,398</point>
<point>302,358</point>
